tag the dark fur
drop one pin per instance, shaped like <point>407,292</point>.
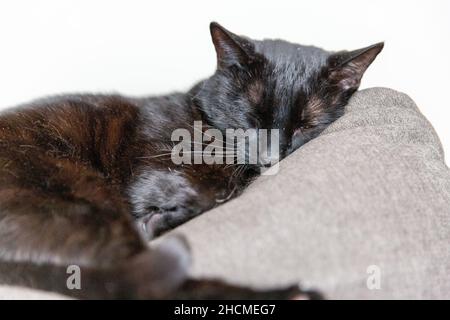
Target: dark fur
<point>77,170</point>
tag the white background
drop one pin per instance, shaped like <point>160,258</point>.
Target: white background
<point>144,47</point>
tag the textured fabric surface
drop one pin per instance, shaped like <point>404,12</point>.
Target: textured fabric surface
<point>372,190</point>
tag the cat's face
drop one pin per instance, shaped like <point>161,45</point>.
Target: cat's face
<point>274,84</point>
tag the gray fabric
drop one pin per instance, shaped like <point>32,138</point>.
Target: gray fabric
<point>373,189</point>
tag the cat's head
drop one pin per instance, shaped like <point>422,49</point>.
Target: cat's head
<point>274,84</point>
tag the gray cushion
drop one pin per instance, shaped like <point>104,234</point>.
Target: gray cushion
<point>373,189</point>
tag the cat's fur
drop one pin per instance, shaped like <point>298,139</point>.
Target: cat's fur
<point>77,171</point>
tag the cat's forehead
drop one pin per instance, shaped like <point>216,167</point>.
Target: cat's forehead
<point>291,65</point>
<point>286,56</point>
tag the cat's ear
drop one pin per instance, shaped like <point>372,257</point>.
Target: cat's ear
<point>230,48</point>
<point>347,68</point>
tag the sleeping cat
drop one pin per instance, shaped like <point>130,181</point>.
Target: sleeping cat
<point>85,179</point>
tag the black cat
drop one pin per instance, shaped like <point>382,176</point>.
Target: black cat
<point>78,171</point>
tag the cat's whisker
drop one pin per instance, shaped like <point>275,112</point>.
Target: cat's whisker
<point>220,147</point>
<point>227,197</point>
<point>156,156</point>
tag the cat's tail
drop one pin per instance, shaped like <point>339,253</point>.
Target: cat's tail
<point>153,274</point>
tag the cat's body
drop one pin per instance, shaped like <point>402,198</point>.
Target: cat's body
<point>84,177</point>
